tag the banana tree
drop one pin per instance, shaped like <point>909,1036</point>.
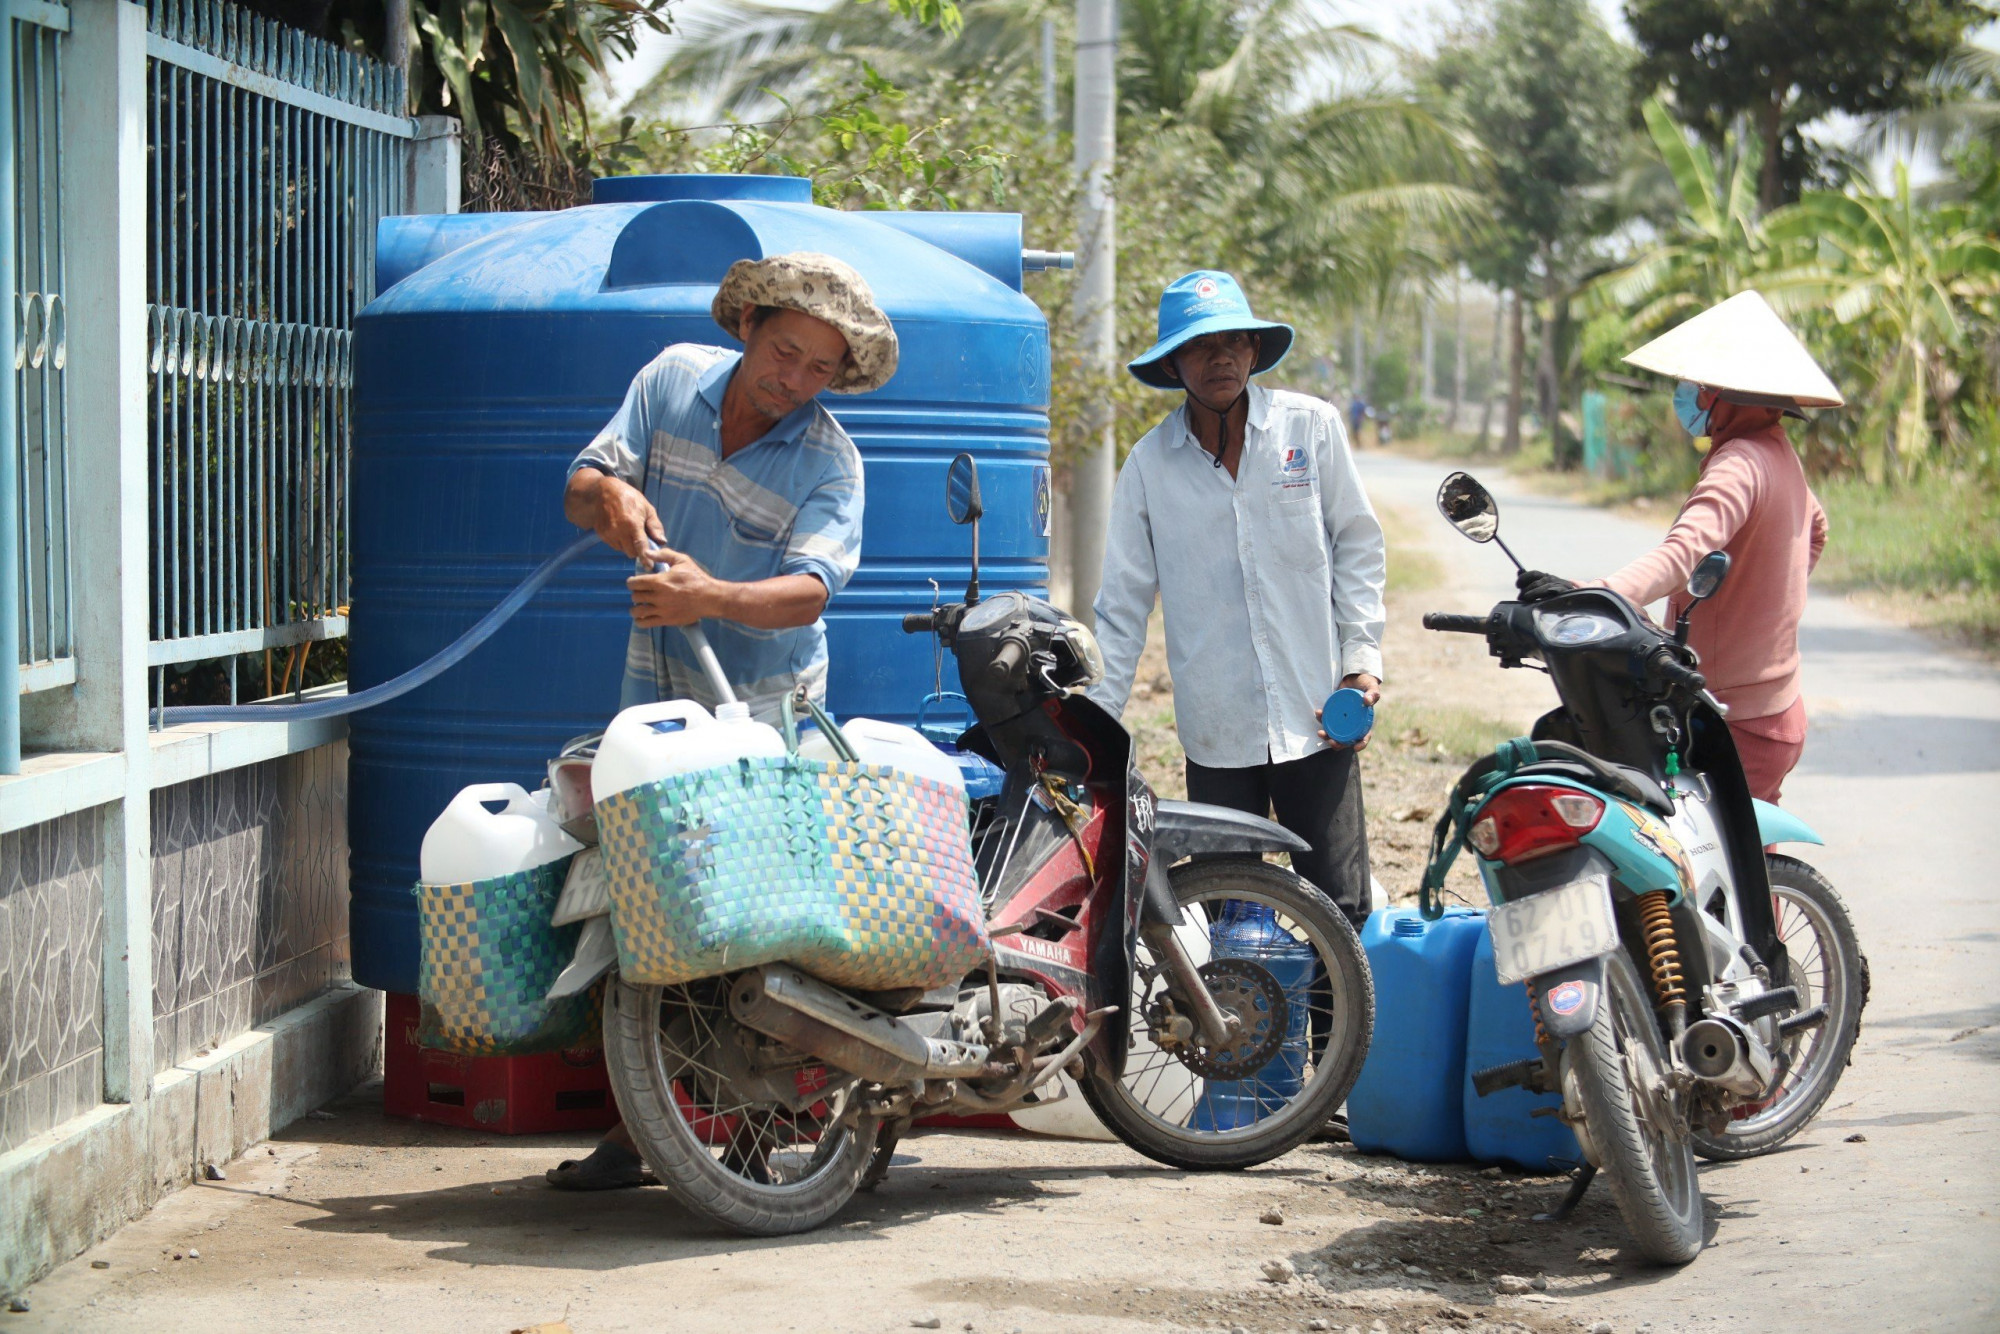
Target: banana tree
<point>517,69</point>
<point>1712,250</point>
<point>1903,278</point>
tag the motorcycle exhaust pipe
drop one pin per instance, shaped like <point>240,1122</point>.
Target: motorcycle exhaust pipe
<point>1722,1051</point>
<point>800,1011</point>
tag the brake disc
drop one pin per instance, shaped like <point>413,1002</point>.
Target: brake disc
<point>1246,991</point>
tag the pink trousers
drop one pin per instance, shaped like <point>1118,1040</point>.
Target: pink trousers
<point>1770,748</point>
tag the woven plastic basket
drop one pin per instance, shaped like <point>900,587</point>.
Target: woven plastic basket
<point>487,959</point>
<point>859,874</point>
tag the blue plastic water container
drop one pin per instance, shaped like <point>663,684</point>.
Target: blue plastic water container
<point>1499,1029</point>
<point>1251,931</point>
<point>1407,1100</point>
<point>501,344</point>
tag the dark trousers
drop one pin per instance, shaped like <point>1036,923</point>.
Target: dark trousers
<point>1319,799</point>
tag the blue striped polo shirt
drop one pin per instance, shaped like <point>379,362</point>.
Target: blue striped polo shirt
<point>789,503</point>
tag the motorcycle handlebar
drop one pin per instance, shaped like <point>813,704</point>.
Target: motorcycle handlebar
<point>1674,672</point>
<point>1457,623</point>
<point>1012,654</point>
<point>919,623</point>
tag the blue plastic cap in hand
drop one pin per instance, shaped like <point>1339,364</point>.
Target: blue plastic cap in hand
<point>1347,716</point>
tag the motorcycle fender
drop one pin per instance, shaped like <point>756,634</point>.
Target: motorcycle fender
<point>1193,828</point>
<point>596,954</point>
<point>1777,825</point>
<point>1568,997</point>
<point>1160,907</point>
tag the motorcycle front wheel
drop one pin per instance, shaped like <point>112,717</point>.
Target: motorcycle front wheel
<point>1617,1069</point>
<point>1279,956</point>
<point>710,1128</point>
<point>1824,961</point>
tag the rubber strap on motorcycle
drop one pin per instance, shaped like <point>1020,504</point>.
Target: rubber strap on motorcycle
<point>1448,835</point>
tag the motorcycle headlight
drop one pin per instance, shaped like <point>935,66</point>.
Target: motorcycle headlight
<point>1084,644</point>
<point>1579,628</point>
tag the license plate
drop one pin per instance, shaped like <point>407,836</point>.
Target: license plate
<point>1552,929</point>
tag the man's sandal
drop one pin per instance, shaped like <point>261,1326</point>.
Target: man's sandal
<point>609,1167</point>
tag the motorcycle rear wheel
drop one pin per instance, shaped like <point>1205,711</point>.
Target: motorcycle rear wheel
<point>750,1166</point>
<point>1341,1020</point>
<point>1827,966</point>
<point>1650,1166</point>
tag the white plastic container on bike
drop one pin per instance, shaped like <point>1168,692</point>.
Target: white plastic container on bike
<point>648,742</point>
<point>890,744</point>
<point>490,830</point>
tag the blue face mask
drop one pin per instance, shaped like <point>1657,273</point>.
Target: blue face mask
<point>1687,407</point>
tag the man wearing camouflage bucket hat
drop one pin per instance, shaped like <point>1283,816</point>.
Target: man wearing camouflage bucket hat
<point>740,497</point>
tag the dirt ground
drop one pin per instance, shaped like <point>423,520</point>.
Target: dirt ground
<point>356,1222</point>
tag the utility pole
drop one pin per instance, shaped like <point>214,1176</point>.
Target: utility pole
<point>1428,339</point>
<point>1049,79</point>
<point>1457,349</point>
<point>1061,567</point>
<point>1096,287</point>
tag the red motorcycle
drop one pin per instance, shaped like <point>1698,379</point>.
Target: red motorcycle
<point>1213,1008</point>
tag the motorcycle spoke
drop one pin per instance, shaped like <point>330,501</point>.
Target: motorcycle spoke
<point>762,1143</point>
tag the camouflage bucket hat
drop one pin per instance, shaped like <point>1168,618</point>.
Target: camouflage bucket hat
<point>826,289</point>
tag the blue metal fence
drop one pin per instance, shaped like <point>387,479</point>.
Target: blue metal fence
<point>35,633</point>
<point>272,157</point>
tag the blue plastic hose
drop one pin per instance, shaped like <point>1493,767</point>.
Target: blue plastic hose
<point>451,655</point>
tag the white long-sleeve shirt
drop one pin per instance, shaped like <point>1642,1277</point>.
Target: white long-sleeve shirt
<point>1271,581</point>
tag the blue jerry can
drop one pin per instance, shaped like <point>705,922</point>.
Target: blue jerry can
<point>1500,1028</point>
<point>1406,1101</point>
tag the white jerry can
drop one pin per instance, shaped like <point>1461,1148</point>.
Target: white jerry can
<point>490,830</point>
<point>648,742</point>
<point>890,744</point>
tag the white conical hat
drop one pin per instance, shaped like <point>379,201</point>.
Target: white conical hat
<point>1741,345</point>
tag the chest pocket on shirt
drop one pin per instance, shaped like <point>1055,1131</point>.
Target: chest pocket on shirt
<point>1297,531</point>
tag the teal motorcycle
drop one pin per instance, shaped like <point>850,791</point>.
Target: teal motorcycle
<point>1692,993</point>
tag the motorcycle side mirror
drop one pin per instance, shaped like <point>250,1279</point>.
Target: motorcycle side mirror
<point>1703,580</point>
<point>1470,508</point>
<point>1708,575</point>
<point>961,502</point>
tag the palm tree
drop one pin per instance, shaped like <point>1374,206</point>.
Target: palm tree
<point>1904,278</point>
<point>736,55</point>
<point>1961,108</point>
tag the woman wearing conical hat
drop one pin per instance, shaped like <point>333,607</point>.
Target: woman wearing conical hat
<point>1740,372</point>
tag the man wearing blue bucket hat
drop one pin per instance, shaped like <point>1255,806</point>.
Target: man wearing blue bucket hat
<point>1242,512</point>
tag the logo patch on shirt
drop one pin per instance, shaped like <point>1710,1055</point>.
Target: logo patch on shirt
<point>1295,468</point>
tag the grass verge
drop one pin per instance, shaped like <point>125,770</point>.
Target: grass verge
<point>1927,551</point>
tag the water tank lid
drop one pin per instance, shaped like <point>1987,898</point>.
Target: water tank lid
<point>700,185</point>
<point>1409,926</point>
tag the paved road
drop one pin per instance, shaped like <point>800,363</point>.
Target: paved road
<point>1902,775</point>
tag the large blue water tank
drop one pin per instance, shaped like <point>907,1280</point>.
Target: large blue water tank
<point>501,349</point>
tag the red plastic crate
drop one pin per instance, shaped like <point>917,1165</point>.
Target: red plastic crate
<point>507,1095</point>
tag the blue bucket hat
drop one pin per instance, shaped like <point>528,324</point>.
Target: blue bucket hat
<point>1204,302</point>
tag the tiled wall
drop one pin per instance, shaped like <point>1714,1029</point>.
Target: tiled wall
<point>51,963</point>
<point>249,897</point>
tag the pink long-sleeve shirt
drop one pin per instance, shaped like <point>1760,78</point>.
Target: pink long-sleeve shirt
<point>1751,501</point>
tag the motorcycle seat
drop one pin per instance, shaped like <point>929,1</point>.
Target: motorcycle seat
<point>1621,780</point>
